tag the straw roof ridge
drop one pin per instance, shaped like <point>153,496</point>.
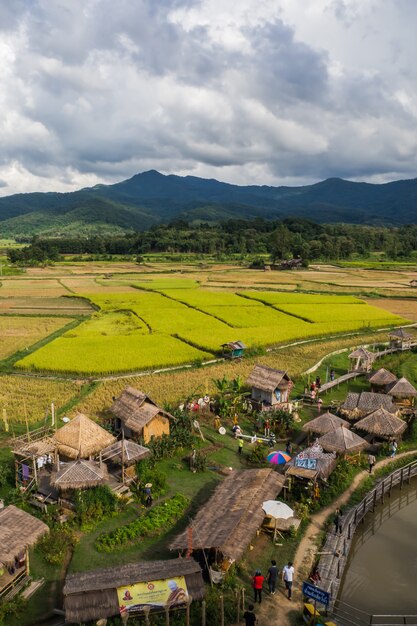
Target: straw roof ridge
<point>18,530</point>
<point>362,353</point>
<point>125,449</point>
<point>136,409</point>
<point>400,333</point>
<point>367,401</point>
<point>266,378</point>
<point>325,423</point>
<point>401,388</point>
<point>342,440</point>
<point>233,513</point>
<point>79,474</point>
<point>382,377</point>
<point>382,423</point>
<point>82,437</point>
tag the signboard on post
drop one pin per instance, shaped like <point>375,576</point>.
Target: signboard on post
<point>310,464</point>
<point>316,594</point>
<point>155,594</point>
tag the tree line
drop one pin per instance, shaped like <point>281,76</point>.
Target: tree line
<point>289,238</point>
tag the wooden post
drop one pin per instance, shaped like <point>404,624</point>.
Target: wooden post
<point>187,611</point>
<point>123,457</point>
<point>390,487</point>
<point>146,610</point>
<point>409,474</point>
<point>355,517</point>
<point>203,613</point>
<point>221,610</point>
<point>238,606</point>
<point>53,414</point>
<point>374,502</point>
<point>243,598</point>
<point>401,478</point>
<point>382,491</point>
<point>338,569</point>
<point>167,615</point>
<point>364,511</point>
<point>349,531</point>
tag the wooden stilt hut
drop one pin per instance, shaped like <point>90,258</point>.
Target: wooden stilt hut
<point>400,339</point>
<point>403,392</point>
<point>325,423</point>
<point>270,388</point>
<point>342,441</point>
<point>362,360</point>
<point>125,453</point>
<point>383,424</point>
<point>80,474</point>
<point>380,380</point>
<point>18,531</point>
<point>82,438</point>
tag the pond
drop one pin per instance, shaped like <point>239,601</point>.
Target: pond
<point>381,572</point>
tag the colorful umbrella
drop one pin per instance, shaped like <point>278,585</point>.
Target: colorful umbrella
<point>278,457</point>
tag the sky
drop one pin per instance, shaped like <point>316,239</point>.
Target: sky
<point>249,92</point>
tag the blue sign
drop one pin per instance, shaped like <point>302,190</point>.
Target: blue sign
<point>315,593</point>
<point>310,464</point>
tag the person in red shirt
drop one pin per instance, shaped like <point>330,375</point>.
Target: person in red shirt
<point>257,584</point>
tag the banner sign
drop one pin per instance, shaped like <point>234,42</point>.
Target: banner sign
<point>310,464</point>
<point>156,594</point>
<point>315,593</point>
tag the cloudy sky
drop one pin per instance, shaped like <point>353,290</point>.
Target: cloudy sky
<point>248,91</point>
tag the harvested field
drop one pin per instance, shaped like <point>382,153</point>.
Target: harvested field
<point>29,288</point>
<point>405,308</point>
<point>45,306</point>
<point>88,284</point>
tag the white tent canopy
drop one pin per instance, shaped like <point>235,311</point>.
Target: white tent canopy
<point>277,509</point>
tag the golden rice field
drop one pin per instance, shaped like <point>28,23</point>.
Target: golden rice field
<point>26,287</point>
<point>19,333</point>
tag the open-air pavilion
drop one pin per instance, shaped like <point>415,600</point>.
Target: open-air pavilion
<point>80,474</point>
<point>403,392</point>
<point>362,360</point>
<point>400,339</point>
<point>383,424</point>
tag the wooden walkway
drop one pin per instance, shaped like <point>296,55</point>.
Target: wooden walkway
<point>340,380</point>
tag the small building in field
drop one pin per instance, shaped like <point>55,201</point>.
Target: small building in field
<point>362,360</point>
<point>380,380</point>
<point>403,392</point>
<point>233,349</point>
<point>270,388</point>
<point>382,424</point>
<point>358,405</point>
<point>137,416</point>
<point>131,589</point>
<point>82,438</point>
<point>400,339</point>
<point>413,283</point>
<point>18,531</point>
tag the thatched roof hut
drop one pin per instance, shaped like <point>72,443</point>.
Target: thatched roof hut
<point>270,387</point>
<point>125,451</point>
<point>321,468</point>
<point>139,415</point>
<point>82,438</point>
<point>92,595</point>
<point>402,389</point>
<point>381,378</point>
<point>361,404</point>
<point>382,423</point>
<point>325,423</point>
<point>18,531</point>
<point>342,441</point>
<point>400,333</point>
<point>362,358</point>
<point>80,474</point>
<point>228,521</point>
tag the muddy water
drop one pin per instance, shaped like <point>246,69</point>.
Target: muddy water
<point>381,574</point>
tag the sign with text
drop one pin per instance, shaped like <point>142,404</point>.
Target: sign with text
<point>154,593</point>
<point>310,464</point>
<point>315,593</point>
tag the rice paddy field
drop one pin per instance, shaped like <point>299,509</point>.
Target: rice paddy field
<point>19,333</point>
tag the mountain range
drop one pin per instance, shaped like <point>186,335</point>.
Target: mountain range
<point>151,198</point>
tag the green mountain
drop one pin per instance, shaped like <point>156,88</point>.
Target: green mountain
<point>151,198</point>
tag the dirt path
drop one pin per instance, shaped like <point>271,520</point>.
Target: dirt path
<point>277,609</point>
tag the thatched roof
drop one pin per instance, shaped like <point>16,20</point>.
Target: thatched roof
<point>81,438</point>
<point>233,514</point>
<point>18,530</point>
<point>135,409</point>
<point>342,440</point>
<point>125,450</point>
<point>92,595</point>
<point>382,377</point>
<point>325,423</point>
<point>400,333</point>
<point>367,401</point>
<point>80,474</point>
<point>324,466</point>
<point>402,388</point>
<point>382,423</point>
<point>362,353</point>
<point>267,378</point>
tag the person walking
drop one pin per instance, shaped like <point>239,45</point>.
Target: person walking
<point>371,462</point>
<point>249,616</point>
<point>288,447</point>
<point>338,521</point>
<point>272,577</point>
<point>240,446</point>
<point>148,494</point>
<point>393,448</point>
<point>258,583</point>
<point>288,578</point>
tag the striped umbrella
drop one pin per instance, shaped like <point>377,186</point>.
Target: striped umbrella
<point>278,457</point>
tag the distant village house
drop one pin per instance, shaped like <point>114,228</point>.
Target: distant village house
<point>137,416</point>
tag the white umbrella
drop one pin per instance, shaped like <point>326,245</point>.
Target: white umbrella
<point>277,509</point>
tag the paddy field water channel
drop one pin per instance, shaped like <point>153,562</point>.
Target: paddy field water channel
<point>381,573</point>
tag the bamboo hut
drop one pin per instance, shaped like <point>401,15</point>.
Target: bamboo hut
<point>136,415</point>
<point>382,424</point>
<point>325,423</point>
<point>80,474</point>
<point>400,339</point>
<point>270,388</point>
<point>224,527</point>
<point>342,441</point>
<point>18,531</point>
<point>233,349</point>
<point>82,438</point>
<point>125,451</point>
<point>403,392</point>
<point>362,360</point>
<point>358,405</point>
<point>92,595</point>
<point>380,380</point>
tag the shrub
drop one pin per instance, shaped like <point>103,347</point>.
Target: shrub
<point>258,454</point>
<point>92,505</point>
<point>147,473</point>
<point>55,545</point>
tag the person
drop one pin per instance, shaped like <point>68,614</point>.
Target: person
<point>249,616</point>
<point>272,577</point>
<point>313,386</point>
<point>235,419</point>
<point>217,423</point>
<point>318,382</point>
<point>332,375</point>
<point>148,494</point>
<point>288,447</point>
<point>371,462</point>
<point>288,577</point>
<point>393,448</point>
<point>315,576</point>
<point>316,491</point>
<point>240,446</point>
<point>257,583</point>
<point>266,427</point>
<point>193,460</point>
<point>319,405</point>
<point>338,521</point>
